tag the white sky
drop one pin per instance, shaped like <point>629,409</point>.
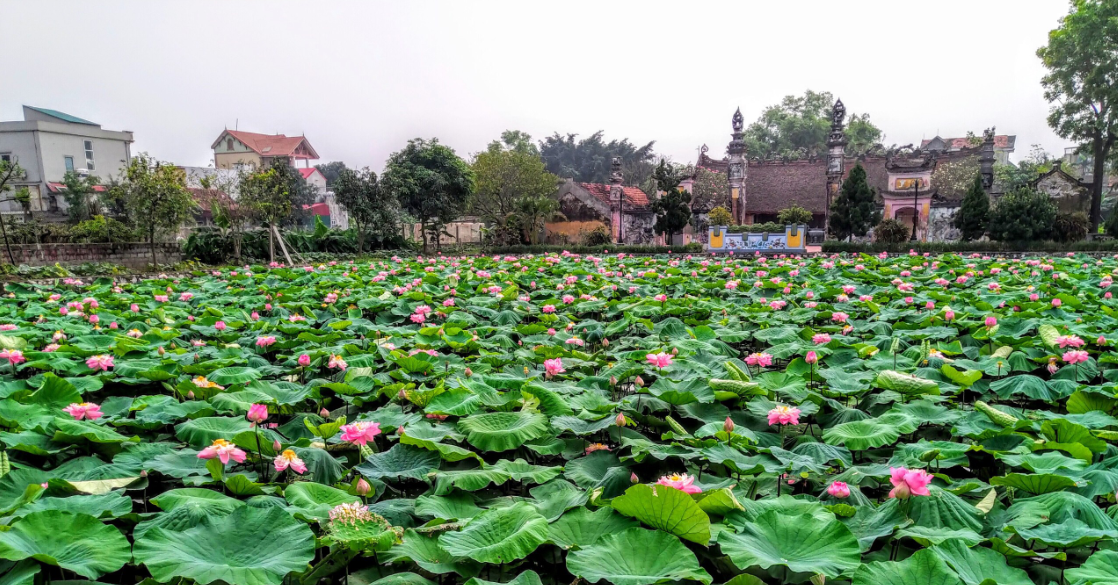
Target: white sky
<point>359,78</point>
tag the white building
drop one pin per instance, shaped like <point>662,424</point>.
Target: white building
<point>48,143</point>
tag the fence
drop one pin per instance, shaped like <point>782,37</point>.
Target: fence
<point>130,254</point>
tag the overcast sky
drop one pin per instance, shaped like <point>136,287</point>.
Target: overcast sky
<point>359,78</point>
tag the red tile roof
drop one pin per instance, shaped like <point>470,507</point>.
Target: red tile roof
<point>60,187</point>
<point>318,209</point>
<point>1000,141</point>
<point>633,196</point>
<point>206,197</point>
<point>271,144</point>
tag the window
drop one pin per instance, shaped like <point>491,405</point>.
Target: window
<point>229,144</point>
<point>69,164</point>
<point>89,155</point>
<point>5,157</point>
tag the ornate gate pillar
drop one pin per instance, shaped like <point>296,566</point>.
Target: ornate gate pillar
<point>737,170</point>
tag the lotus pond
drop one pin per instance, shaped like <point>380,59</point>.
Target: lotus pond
<point>874,420</point>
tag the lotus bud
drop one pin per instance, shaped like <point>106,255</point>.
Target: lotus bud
<point>728,425</point>
<point>324,413</point>
<point>633,478</point>
<point>620,420</point>
<point>819,579</point>
<point>362,487</point>
<point>605,343</point>
<point>469,372</point>
<point>276,446</point>
<point>675,351</point>
<point>161,350</point>
<point>613,380</point>
<point>190,395</point>
<point>143,473</point>
<point>401,394</point>
<point>639,381</point>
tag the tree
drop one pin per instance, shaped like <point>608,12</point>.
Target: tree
<point>9,172</point>
<point>231,216</point>
<point>588,160</point>
<point>709,189</point>
<point>794,215</point>
<point>854,211</point>
<point>1011,176</point>
<point>156,197</point>
<point>720,216</point>
<point>80,195</point>
<point>798,127</point>
<point>331,171</point>
<point>974,213</point>
<point>368,204</point>
<point>1082,84</point>
<point>431,183</point>
<point>514,192</point>
<point>952,179</point>
<point>272,195</point>
<point>1022,215</point>
<point>673,206</point>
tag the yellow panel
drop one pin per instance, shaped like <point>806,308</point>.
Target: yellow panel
<point>734,193</point>
<point>716,237</point>
<point>888,211</point>
<point>794,241</point>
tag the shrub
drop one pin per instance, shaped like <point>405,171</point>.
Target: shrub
<point>720,216</point>
<point>793,215</point>
<point>974,213</point>
<point>598,236</point>
<point>1022,215</point>
<point>1070,227</point>
<point>892,231</point>
<point>771,227</point>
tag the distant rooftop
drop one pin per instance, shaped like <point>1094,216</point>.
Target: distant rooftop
<point>59,115</point>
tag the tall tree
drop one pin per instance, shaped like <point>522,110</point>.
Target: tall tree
<point>673,206</point>
<point>1082,84</point>
<point>798,127</point>
<point>331,171</point>
<point>156,197</point>
<point>271,194</point>
<point>230,215</point>
<point>974,213</point>
<point>81,196</point>
<point>431,183</point>
<point>368,205</point>
<point>588,160</point>
<point>854,211</point>
<point>514,192</point>
<point>1010,176</point>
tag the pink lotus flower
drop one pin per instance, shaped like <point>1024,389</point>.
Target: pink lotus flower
<point>820,338</point>
<point>362,488</point>
<point>784,415</point>
<point>304,360</point>
<point>1069,340</point>
<point>336,361</point>
<point>220,325</point>
<point>186,296</point>
<point>991,321</point>
<point>8,327</point>
<point>360,433</point>
<point>811,357</point>
<point>265,341</point>
<point>224,451</point>
<point>553,367</point>
<point>1075,356</point>
<point>99,362</point>
<point>418,318</point>
<point>660,298</point>
<point>549,309</point>
<point>85,410</point>
<point>909,482</point>
<point>682,482</point>
<point>660,360</point>
<point>1056,303</point>
<point>257,413</point>
<point>839,317</point>
<point>763,360</point>
<point>596,447</point>
<point>839,489</point>
<point>289,459</point>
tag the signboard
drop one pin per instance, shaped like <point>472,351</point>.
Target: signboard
<point>792,240</point>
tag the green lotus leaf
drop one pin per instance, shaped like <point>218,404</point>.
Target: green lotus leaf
<point>250,546</point>
<point>665,508</point>
<point>108,505</point>
<point>400,462</point>
<point>425,551</point>
<point>978,565</point>
<point>636,557</point>
<point>860,435</point>
<point>313,501</point>
<point>499,535</point>
<point>580,527</point>
<point>502,431</point>
<point>1035,483</point>
<point>201,432</point>
<point>1101,568</point>
<point>76,542</point>
<point>924,567</point>
<point>525,578</point>
<point>453,506</point>
<point>801,543</point>
<point>234,375</point>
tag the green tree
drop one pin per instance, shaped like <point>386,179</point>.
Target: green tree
<point>431,183</point>
<point>793,215</point>
<point>974,213</point>
<point>1022,215</point>
<point>673,206</point>
<point>81,196</point>
<point>588,160</point>
<point>1082,84</point>
<point>720,216</point>
<point>514,192</point>
<point>708,190</point>
<point>156,197</point>
<point>10,171</point>
<point>1009,177</point>
<point>798,127</point>
<point>854,211</point>
<point>368,205</point>
<point>331,171</point>
<point>271,195</point>
<point>952,179</point>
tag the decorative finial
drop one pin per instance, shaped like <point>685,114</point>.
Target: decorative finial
<point>738,121</point>
<point>838,113</point>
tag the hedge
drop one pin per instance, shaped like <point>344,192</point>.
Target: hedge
<point>692,248</point>
<point>833,247</point>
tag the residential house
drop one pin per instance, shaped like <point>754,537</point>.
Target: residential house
<point>586,206</point>
<point>47,144</point>
<point>326,205</point>
<point>235,149</point>
<point>1003,145</point>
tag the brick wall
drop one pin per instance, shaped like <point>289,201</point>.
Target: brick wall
<point>132,255</point>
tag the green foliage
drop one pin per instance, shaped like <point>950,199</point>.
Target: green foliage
<point>892,231</point>
<point>1022,215</point>
<point>854,211</point>
<point>331,171</point>
<point>370,207</point>
<point>720,216</point>
<point>80,195</point>
<point>1081,84</point>
<point>798,127</point>
<point>588,160</point>
<point>974,213</point>
<point>102,229</point>
<point>217,247</point>
<point>1009,177</point>
<point>794,215</point>
<point>709,191</point>
<point>1070,227</point>
<point>155,196</point>
<point>431,183</point>
<point>673,206</point>
<point>953,179</point>
<point>515,194</point>
<point>1035,246</point>
<point>599,236</point>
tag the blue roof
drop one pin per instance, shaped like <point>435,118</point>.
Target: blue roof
<point>62,116</point>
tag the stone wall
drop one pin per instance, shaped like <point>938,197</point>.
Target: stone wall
<point>132,255</point>
<point>940,220</point>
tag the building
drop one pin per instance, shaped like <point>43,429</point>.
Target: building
<point>1003,145</point>
<point>47,144</point>
<point>589,206</point>
<point>326,205</point>
<point>1069,193</point>
<point>239,150</point>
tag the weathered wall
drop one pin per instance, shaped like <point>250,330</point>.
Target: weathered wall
<point>1069,197</point>
<point>570,232</point>
<point>132,255</point>
<point>941,219</point>
<point>637,228</point>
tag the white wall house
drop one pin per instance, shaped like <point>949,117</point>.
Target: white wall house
<point>48,143</point>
